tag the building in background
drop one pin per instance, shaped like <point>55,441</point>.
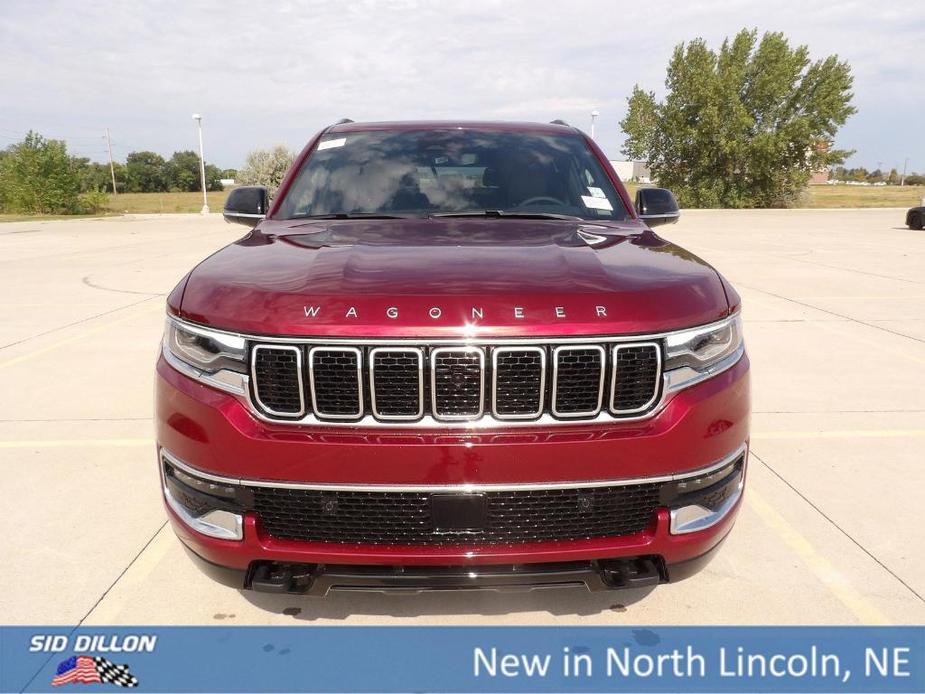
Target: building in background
<point>632,171</point>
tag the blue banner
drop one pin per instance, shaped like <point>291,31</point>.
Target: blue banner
<point>463,659</point>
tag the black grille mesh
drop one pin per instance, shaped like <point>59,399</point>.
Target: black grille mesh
<point>277,376</point>
<point>457,386</point>
<point>397,383</point>
<point>636,376</point>
<point>519,382</point>
<point>334,378</point>
<point>578,380</point>
<point>405,518</point>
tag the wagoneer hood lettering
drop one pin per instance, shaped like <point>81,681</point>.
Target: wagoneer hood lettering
<point>439,276</point>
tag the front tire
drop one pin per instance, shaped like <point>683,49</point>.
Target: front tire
<point>916,222</point>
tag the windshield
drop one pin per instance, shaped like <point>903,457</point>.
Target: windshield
<point>432,172</point>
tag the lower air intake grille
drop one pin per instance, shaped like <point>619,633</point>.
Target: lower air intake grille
<point>278,380</point>
<point>405,517</point>
<point>636,373</point>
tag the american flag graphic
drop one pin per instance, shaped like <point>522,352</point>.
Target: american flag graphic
<point>86,669</point>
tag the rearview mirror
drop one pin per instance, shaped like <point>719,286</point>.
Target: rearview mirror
<point>657,206</point>
<point>246,205</point>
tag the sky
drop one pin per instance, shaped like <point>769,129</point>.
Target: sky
<point>277,72</point>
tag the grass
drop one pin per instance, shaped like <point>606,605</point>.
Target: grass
<point>148,203</point>
<point>863,196</point>
<point>816,197</point>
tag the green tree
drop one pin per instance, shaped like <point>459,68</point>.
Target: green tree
<point>38,177</point>
<point>742,127</point>
<point>266,167</point>
<point>145,172</point>
<point>183,171</point>
<point>213,178</point>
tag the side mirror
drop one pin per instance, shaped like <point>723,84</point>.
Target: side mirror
<point>246,205</point>
<point>657,206</point>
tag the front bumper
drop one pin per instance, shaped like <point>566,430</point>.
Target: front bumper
<point>213,434</point>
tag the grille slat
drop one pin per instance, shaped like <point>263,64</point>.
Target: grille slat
<point>278,379</point>
<point>519,380</point>
<point>578,380</point>
<point>396,378</point>
<point>405,517</point>
<point>457,382</point>
<point>636,370</point>
<point>336,378</point>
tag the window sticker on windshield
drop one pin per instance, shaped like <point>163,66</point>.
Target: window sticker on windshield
<point>593,203</point>
<point>329,144</point>
<point>596,192</point>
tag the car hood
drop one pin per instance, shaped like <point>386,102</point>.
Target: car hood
<point>450,278</point>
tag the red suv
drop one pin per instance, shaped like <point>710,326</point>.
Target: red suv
<point>452,355</point>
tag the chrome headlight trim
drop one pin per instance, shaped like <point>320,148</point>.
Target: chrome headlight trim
<point>208,351</point>
<point>696,354</point>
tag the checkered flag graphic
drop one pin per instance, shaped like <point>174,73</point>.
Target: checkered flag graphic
<point>111,673</point>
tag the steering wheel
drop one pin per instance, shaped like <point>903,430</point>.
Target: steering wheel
<point>539,199</point>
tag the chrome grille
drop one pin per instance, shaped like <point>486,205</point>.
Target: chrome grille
<point>337,381</point>
<point>433,384</point>
<point>396,382</point>
<point>457,382</point>
<point>519,381</point>
<point>578,380</point>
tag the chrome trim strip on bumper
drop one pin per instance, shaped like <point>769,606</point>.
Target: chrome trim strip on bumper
<point>457,488</point>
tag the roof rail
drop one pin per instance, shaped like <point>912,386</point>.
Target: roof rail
<point>559,121</point>
<point>344,120</point>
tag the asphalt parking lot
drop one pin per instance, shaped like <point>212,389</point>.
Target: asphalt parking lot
<point>831,531</point>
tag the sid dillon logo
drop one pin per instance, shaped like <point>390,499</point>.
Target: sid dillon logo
<point>88,669</point>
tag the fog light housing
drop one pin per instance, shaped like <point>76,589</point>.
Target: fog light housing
<point>209,506</point>
<point>695,516</point>
<point>218,523</point>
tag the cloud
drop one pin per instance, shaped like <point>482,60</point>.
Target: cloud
<point>262,73</point>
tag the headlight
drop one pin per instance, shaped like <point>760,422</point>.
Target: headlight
<point>204,349</point>
<point>696,354</point>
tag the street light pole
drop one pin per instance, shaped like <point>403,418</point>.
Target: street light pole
<point>202,167</point>
<point>112,169</point>
<point>594,114</point>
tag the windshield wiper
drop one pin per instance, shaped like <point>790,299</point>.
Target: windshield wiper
<point>349,215</point>
<point>498,214</point>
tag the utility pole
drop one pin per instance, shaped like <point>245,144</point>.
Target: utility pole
<point>902,181</point>
<point>594,114</point>
<point>202,167</point>
<point>112,169</point>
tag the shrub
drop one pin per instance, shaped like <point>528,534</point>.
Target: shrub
<point>92,202</point>
<point>266,167</point>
